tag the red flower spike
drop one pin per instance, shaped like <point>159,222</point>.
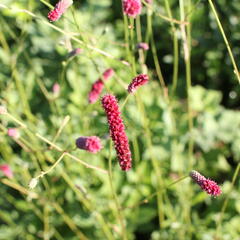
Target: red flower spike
<point>117,131</point>
<point>59,9</point>
<point>207,185</point>
<point>98,86</point>
<point>91,144</point>
<point>132,8</point>
<point>138,81</point>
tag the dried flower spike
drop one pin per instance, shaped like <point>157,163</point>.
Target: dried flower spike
<point>91,144</point>
<point>138,81</point>
<point>132,8</point>
<point>59,9</point>
<point>117,131</point>
<point>207,185</point>
<point>98,86</point>
<point>6,170</point>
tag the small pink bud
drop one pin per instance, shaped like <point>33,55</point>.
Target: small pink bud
<point>91,144</point>
<point>59,9</point>
<point>3,110</point>
<point>143,46</point>
<point>138,81</point>
<point>6,170</point>
<point>132,8</point>
<point>13,132</point>
<point>56,89</point>
<point>98,86</point>
<point>148,1</point>
<point>207,185</point>
<point>75,52</point>
<point>108,74</point>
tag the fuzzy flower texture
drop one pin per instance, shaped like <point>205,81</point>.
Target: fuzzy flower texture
<point>91,144</point>
<point>98,86</point>
<point>132,8</point>
<point>117,131</point>
<point>138,81</point>
<point>59,9</point>
<point>207,185</point>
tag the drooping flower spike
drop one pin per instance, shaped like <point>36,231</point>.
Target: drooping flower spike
<point>59,9</point>
<point>91,144</point>
<point>138,81</point>
<point>98,86</point>
<point>207,185</point>
<point>132,8</point>
<point>117,131</point>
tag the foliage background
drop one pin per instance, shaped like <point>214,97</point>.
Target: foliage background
<point>75,202</point>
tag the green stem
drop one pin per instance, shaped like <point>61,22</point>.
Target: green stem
<point>118,211</point>
<point>236,71</point>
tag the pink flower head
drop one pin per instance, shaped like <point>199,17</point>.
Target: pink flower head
<point>143,46</point>
<point>59,9</point>
<point>91,144</point>
<point>13,132</point>
<point>75,52</point>
<point>132,7</point>
<point>138,81</point>
<point>207,185</point>
<point>6,170</point>
<point>56,89</point>
<point>117,131</point>
<point>98,86</point>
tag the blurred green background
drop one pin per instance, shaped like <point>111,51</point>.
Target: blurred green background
<point>75,202</point>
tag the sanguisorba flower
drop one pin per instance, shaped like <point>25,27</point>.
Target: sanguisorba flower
<point>143,46</point>
<point>132,8</point>
<point>13,132</point>
<point>138,81</point>
<point>91,144</point>
<point>117,131</point>
<point>207,185</point>
<point>56,89</point>
<point>59,9</point>
<point>98,86</point>
<point>6,170</point>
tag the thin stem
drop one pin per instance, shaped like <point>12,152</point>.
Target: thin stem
<point>119,212</point>
<point>236,71</point>
<point>146,200</point>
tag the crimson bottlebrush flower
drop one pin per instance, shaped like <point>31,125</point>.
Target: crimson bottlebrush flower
<point>132,8</point>
<point>59,9</point>
<point>207,185</point>
<point>91,144</point>
<point>98,86</point>
<point>6,170</point>
<point>138,81</point>
<point>117,131</point>
<point>143,46</point>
